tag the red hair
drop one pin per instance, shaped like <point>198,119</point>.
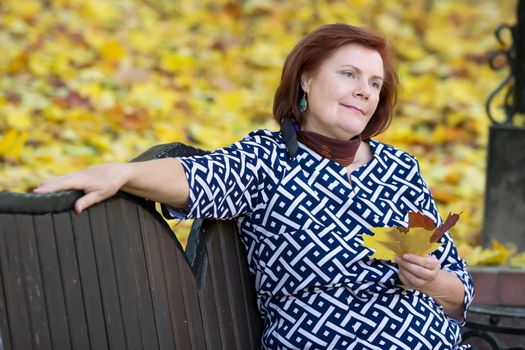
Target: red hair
<point>319,45</point>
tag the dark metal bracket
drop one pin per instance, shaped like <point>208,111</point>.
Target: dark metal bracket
<point>505,184</point>
<point>512,55</point>
<point>487,331</point>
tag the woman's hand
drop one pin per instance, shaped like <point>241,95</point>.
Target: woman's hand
<point>416,271</point>
<point>424,274</point>
<point>98,183</point>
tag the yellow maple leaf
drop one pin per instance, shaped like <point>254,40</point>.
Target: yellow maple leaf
<point>420,237</point>
<point>390,243</point>
<point>496,254</point>
<point>12,143</point>
<point>518,260</point>
<point>112,50</point>
<point>176,62</point>
<point>26,9</point>
<point>18,118</point>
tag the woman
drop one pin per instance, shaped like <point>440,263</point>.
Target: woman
<point>303,197</point>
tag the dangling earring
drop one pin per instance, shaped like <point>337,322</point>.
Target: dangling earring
<point>303,104</point>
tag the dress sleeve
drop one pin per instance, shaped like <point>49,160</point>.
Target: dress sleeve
<point>447,253</point>
<point>230,181</point>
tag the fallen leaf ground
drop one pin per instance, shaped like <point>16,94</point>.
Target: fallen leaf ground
<point>84,82</point>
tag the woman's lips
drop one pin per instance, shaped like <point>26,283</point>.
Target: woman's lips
<point>354,108</point>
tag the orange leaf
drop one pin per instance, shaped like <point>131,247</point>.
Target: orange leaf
<point>449,222</point>
<point>416,219</point>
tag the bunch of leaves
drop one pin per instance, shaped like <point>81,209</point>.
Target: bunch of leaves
<point>420,237</point>
<point>496,253</point>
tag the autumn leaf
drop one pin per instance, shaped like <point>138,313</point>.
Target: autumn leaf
<point>445,226</point>
<point>112,50</point>
<point>496,254</point>
<point>518,260</point>
<point>419,237</point>
<point>12,143</point>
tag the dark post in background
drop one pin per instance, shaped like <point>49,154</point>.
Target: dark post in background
<point>505,187</point>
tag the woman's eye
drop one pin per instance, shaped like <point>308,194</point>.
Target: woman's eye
<point>349,74</point>
<point>375,85</point>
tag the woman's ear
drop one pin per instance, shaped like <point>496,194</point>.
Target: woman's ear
<point>305,81</point>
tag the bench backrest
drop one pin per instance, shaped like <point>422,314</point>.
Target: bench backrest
<point>116,277</point>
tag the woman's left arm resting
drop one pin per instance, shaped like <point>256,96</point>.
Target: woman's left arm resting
<point>424,274</point>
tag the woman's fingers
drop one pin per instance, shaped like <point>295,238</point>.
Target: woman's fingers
<point>416,271</point>
<point>62,183</point>
<point>410,280</point>
<point>88,200</point>
<point>427,262</point>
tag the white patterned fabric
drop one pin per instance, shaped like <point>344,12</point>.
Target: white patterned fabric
<point>302,222</point>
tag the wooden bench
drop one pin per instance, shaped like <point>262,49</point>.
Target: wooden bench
<point>116,277</point>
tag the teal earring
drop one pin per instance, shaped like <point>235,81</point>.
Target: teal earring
<point>303,104</point>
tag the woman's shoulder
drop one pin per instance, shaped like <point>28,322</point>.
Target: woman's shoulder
<point>390,153</point>
<point>264,138</point>
<point>273,136</point>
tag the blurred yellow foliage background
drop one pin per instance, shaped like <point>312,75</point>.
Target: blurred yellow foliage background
<point>84,82</point>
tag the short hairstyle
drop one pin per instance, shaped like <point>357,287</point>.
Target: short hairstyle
<point>313,50</point>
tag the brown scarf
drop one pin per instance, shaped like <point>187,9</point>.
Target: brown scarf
<point>342,152</point>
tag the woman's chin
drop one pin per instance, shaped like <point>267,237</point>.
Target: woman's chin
<point>347,132</point>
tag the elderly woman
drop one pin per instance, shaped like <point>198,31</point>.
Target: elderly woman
<point>304,196</point>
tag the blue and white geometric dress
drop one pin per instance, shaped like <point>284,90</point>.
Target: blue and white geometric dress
<point>302,220</point>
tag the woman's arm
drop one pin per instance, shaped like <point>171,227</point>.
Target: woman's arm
<point>160,180</point>
<point>424,273</point>
<point>442,274</point>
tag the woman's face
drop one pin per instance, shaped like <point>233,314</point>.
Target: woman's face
<point>343,92</point>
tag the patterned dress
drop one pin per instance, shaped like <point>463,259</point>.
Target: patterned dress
<point>302,220</point>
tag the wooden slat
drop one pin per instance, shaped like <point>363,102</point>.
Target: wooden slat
<point>140,277</point>
<point>11,264</point>
<point>4,325</point>
<point>90,284</point>
<point>191,305</point>
<point>122,259</point>
<point>107,277</point>
<point>179,320</point>
<point>226,244</point>
<point>208,307</point>
<point>150,237</point>
<point>5,333</point>
<point>71,282</point>
<point>52,281</point>
<point>241,307</point>
<point>220,285</point>
<point>247,286</point>
<point>33,288</point>
<point>135,297</point>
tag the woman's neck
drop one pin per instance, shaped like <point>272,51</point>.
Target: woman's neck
<point>340,151</point>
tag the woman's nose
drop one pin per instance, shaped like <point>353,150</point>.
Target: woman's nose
<point>362,90</point>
